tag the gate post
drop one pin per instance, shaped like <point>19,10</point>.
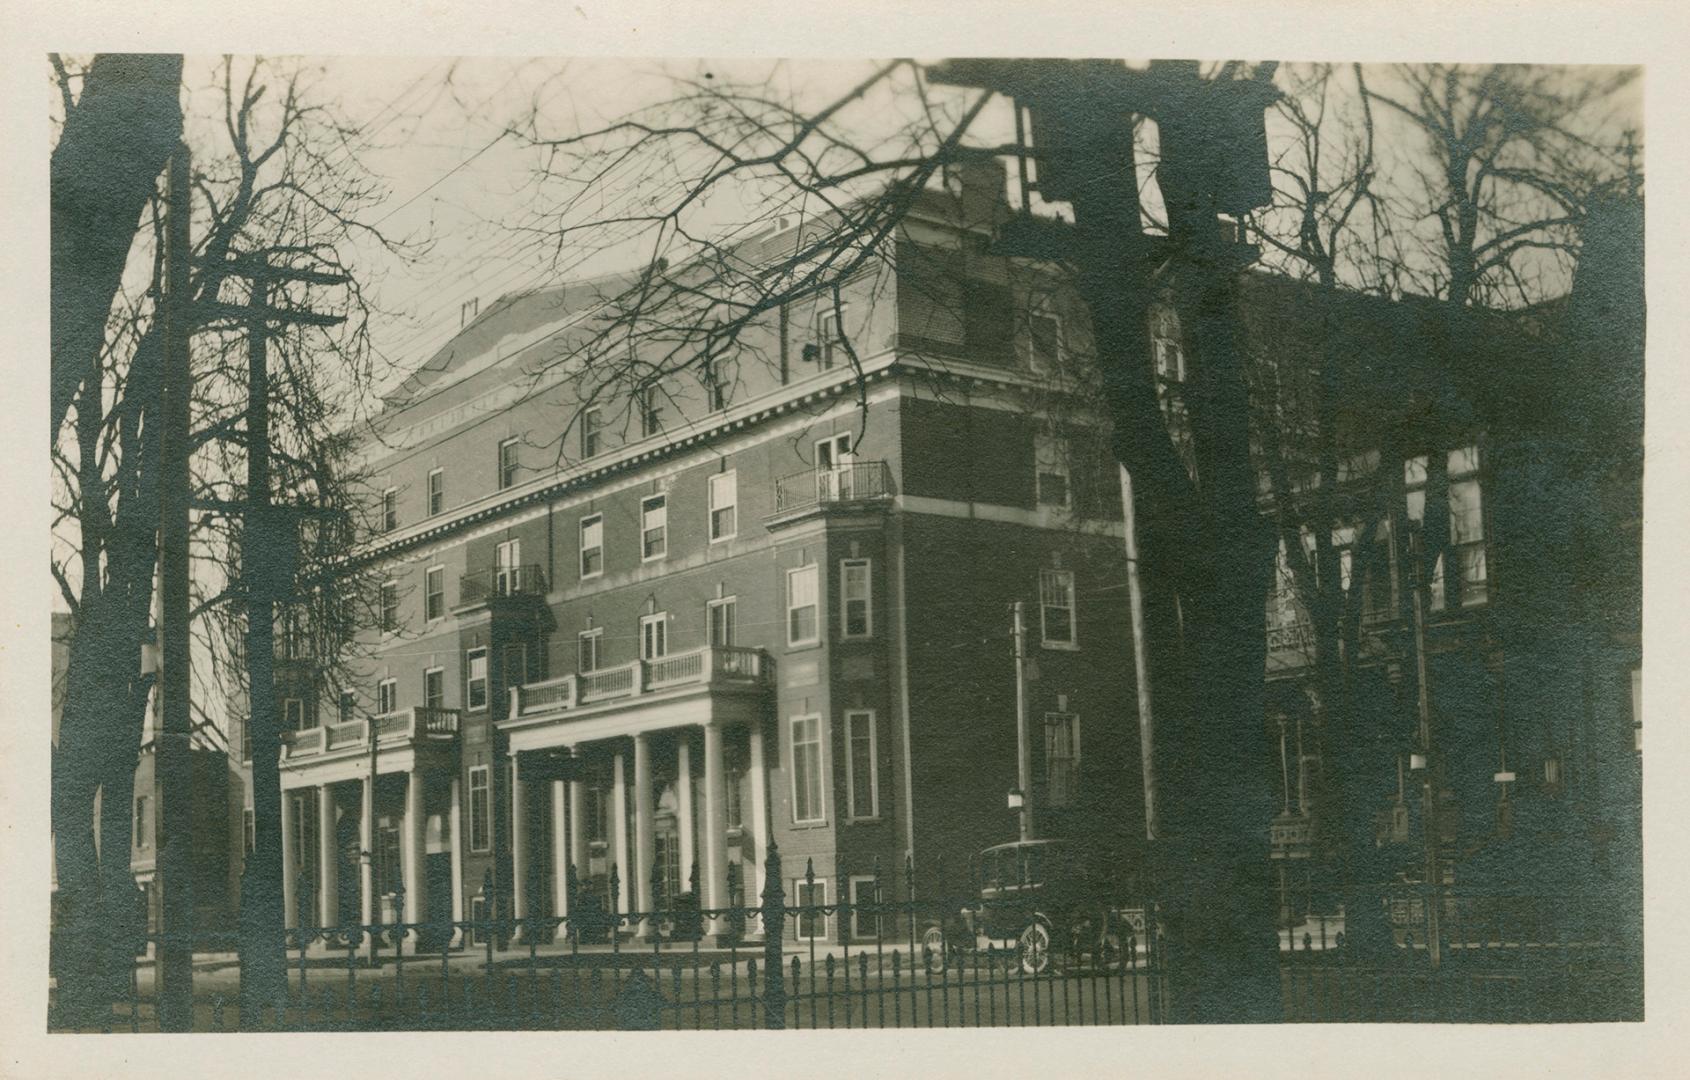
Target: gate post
<point>774,925</point>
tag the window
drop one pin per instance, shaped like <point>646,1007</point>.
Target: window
<point>507,464</point>
<point>651,412</point>
<point>434,592</point>
<point>807,769</point>
<point>293,714</point>
<point>1056,608</point>
<point>830,343</point>
<point>1050,470</point>
<point>715,384</point>
<point>480,808</point>
<point>598,815</point>
<point>592,433</point>
<point>514,664</point>
<point>475,686</point>
<point>348,701</point>
<point>733,806</point>
<point>1062,758</point>
<point>436,492</point>
<point>812,897</point>
<point>724,505</point>
<point>434,688</point>
<point>1466,524</point>
<point>390,510</point>
<point>802,627</point>
<point>387,697</point>
<point>865,899</point>
<point>834,478</point>
<point>143,821</point>
<point>249,831</point>
<point>861,775</point>
<point>507,557</point>
<point>592,546</point>
<point>587,645</point>
<point>654,527</point>
<point>1166,348</point>
<point>857,608</point>
<point>654,636</point>
<point>721,620</point>
<point>1044,339</point>
<point>390,606</point>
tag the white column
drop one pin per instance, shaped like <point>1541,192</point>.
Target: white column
<point>560,851</point>
<point>415,902</point>
<point>642,829</point>
<point>367,854</point>
<point>715,828</point>
<point>456,814</point>
<point>578,827</point>
<point>683,796</point>
<point>759,814</point>
<point>328,861</point>
<point>519,851</point>
<point>290,867</point>
<point>619,823</point>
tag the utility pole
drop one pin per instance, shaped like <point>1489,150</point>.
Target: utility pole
<point>175,979</point>
<point>1023,738</point>
<point>268,560</point>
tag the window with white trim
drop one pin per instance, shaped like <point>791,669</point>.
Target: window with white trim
<point>387,697</point>
<point>389,606</point>
<point>856,608</point>
<point>807,779</point>
<point>475,681</point>
<point>865,901</point>
<point>1062,758</point>
<point>724,505</point>
<point>434,688</point>
<point>507,557</point>
<point>720,616</point>
<point>436,492</point>
<point>507,464</point>
<point>480,808</point>
<point>654,527</point>
<point>390,510</point>
<point>1045,342</point>
<point>651,412</point>
<point>434,592</point>
<point>1050,470</point>
<point>143,821</point>
<point>654,636</point>
<point>862,774</point>
<point>592,433</point>
<point>802,606</point>
<point>1466,523</point>
<point>828,337</point>
<point>592,546</point>
<point>812,897</point>
<point>587,646</point>
<point>1056,609</point>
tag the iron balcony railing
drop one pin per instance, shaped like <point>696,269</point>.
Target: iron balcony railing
<point>855,482</point>
<point>414,723</point>
<point>478,586</point>
<point>726,666</point>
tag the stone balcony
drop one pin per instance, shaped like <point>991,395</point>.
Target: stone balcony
<point>691,687</point>
<point>399,738</point>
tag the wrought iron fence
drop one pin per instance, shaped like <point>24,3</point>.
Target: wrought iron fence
<point>777,965</point>
<point>896,962</point>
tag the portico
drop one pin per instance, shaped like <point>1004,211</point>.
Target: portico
<point>633,737</point>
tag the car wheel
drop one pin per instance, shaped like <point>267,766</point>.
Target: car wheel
<point>933,948</point>
<point>1032,948</point>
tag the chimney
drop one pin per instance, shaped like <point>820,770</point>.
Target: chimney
<point>978,186</point>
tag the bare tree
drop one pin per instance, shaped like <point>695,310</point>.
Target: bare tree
<point>284,187</point>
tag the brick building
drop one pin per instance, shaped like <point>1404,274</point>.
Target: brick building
<point>766,602</point>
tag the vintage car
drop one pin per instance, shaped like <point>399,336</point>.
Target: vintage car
<point>1044,902</point>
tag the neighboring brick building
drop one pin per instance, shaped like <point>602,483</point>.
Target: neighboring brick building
<point>769,604</point>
